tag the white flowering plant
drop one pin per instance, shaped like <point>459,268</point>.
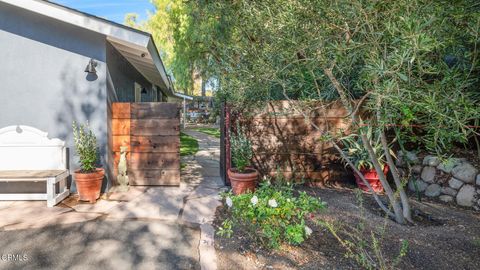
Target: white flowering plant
<point>271,216</point>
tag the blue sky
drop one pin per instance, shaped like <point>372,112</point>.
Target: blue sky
<point>113,10</point>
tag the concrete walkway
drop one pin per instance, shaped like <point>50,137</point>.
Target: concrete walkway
<point>201,174</point>
<point>145,228</point>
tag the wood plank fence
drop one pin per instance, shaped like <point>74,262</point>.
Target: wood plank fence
<point>151,130</point>
<point>285,142</point>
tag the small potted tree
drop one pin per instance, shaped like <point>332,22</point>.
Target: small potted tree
<point>88,178</point>
<point>353,147</point>
<point>242,177</point>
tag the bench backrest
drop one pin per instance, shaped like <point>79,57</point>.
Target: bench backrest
<point>27,148</point>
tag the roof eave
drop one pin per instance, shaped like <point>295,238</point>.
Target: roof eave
<point>137,40</point>
<point>157,60</point>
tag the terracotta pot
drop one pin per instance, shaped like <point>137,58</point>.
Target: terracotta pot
<point>89,184</point>
<point>243,182</point>
<point>372,178</point>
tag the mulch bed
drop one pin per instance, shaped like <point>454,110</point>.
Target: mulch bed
<point>444,237</point>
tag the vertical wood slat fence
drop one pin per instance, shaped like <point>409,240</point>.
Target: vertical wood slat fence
<point>285,142</point>
<point>151,131</point>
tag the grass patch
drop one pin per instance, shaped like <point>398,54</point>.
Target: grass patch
<point>215,132</point>
<point>476,242</point>
<point>188,145</point>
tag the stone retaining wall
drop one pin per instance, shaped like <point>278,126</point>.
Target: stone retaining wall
<point>454,180</point>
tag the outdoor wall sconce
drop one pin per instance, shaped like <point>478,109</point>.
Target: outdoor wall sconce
<point>92,64</point>
<point>144,91</point>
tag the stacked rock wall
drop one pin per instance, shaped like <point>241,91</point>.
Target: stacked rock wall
<point>454,180</point>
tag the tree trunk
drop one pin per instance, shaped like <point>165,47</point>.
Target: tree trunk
<point>393,169</point>
<point>397,209</point>
<point>354,168</point>
<point>345,157</point>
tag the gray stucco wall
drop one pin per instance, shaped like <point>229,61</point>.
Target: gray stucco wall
<point>42,81</point>
<point>123,77</point>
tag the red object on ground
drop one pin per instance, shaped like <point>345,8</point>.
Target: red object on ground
<point>372,177</point>
<point>89,184</point>
<point>243,182</point>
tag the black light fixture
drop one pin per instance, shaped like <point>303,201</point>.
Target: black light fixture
<point>144,91</point>
<point>92,64</point>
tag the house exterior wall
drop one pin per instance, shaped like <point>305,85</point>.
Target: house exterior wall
<point>42,81</point>
<point>111,98</point>
<point>123,77</point>
<point>121,80</point>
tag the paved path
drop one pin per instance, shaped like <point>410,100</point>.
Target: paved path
<point>146,228</point>
<point>202,174</point>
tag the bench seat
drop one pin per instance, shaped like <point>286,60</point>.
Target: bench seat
<point>51,177</point>
<point>28,155</point>
<point>30,175</point>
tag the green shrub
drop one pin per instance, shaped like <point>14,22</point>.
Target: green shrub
<point>358,154</point>
<point>272,215</point>
<point>241,150</point>
<point>86,146</point>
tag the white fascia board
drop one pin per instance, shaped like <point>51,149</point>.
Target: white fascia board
<point>180,95</point>
<point>81,20</point>
<point>157,61</point>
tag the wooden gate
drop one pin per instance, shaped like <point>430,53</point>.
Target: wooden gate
<point>151,130</point>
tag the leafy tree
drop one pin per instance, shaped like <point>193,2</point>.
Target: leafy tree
<point>411,63</point>
<point>184,47</point>
<point>167,25</point>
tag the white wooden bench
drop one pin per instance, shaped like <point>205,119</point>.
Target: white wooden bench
<point>28,155</point>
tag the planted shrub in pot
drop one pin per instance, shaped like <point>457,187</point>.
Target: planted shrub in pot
<point>353,147</point>
<point>89,177</point>
<point>242,177</point>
